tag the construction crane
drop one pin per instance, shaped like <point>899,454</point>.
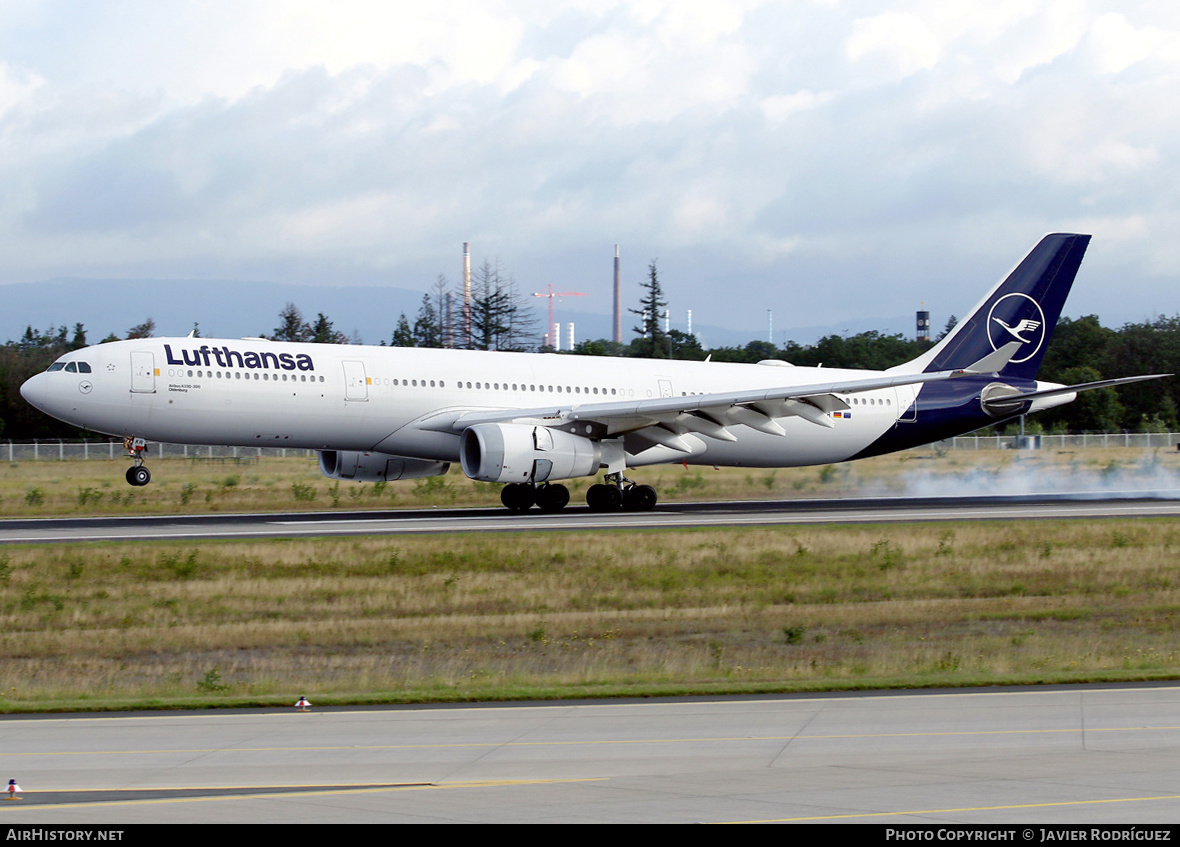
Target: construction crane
<point>551,294</point>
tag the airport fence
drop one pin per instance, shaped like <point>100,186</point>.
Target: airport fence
<point>1081,441</point>
<point>60,450</point>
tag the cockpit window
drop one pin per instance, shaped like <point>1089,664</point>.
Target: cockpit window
<point>74,367</point>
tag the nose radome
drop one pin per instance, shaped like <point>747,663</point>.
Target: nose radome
<point>34,391</point>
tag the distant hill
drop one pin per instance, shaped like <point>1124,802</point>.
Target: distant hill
<point>235,309</point>
<point>226,308</point>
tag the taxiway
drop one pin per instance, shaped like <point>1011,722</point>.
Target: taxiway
<point>1094,754</point>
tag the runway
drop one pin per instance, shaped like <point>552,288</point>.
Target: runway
<point>1093,754</point>
<point>671,516</point>
<point>1082,754</point>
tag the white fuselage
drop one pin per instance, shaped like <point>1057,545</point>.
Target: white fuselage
<point>254,392</point>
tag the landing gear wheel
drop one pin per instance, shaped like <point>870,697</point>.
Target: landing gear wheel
<point>639,498</point>
<point>604,498</point>
<point>517,497</point>
<point>553,498</point>
<point>138,475</point>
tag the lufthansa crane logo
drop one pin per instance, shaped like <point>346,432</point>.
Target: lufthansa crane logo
<point>1017,317</point>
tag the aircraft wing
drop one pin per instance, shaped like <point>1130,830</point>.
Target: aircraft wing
<point>663,420</point>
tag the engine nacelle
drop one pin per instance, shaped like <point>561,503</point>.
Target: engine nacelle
<point>524,453</point>
<point>376,467</point>
<point>994,402</point>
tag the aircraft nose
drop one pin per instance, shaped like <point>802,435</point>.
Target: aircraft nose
<point>35,391</point>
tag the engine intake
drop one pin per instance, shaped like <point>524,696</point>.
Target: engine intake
<point>376,467</point>
<point>523,453</point>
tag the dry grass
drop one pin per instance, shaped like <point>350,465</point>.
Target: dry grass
<point>191,486</point>
<point>476,616</point>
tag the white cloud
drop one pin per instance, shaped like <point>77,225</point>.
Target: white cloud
<point>1117,45</point>
<point>16,86</point>
<point>777,109</point>
<point>752,141</point>
<point>902,43</point>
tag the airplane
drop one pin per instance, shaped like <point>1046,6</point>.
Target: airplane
<point>530,420</point>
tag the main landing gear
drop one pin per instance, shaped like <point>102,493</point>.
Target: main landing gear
<point>618,493</point>
<point>522,496</point>
<point>137,474</point>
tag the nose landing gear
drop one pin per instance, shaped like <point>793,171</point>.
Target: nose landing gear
<point>137,474</point>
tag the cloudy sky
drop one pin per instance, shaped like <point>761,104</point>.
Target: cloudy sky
<point>827,160</point>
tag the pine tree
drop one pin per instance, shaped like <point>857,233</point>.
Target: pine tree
<point>427,329</point>
<point>292,327</point>
<point>653,343</point>
<point>143,330</point>
<point>322,332</point>
<point>490,307</point>
<point>403,336</point>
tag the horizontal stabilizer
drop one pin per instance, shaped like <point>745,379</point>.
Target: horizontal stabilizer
<point>994,362</point>
<point>1070,389</point>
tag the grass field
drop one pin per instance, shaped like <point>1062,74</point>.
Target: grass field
<point>191,486</point>
<point>485,616</point>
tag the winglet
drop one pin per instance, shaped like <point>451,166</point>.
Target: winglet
<point>993,362</point>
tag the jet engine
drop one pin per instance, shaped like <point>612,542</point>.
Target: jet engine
<point>376,467</point>
<point>523,453</point>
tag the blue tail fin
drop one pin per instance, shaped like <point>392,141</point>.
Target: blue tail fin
<point>1023,307</point>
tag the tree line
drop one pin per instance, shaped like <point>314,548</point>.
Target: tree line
<point>500,317</point>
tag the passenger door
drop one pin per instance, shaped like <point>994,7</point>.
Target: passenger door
<point>356,384</point>
<point>143,372</point>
